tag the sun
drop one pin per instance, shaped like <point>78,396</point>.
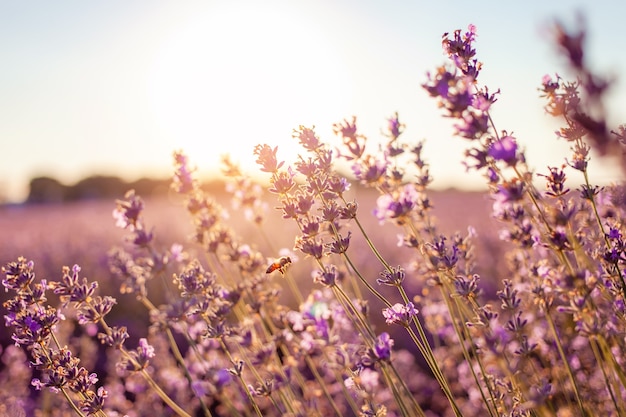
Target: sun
<point>232,77</point>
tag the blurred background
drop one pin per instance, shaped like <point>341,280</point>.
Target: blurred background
<point>112,88</point>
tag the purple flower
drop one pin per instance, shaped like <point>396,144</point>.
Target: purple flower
<point>394,278</point>
<point>338,185</point>
<point>307,138</point>
<point>128,211</point>
<point>61,370</point>
<point>383,345</point>
<point>508,295</point>
<point>555,182</point>
<point>461,51</point>
<point>354,142</point>
<point>339,245</point>
<point>549,86</point>
<point>476,159</point>
<point>310,227</point>
<point>580,157</point>
<point>394,127</point>
<point>144,352</point>
<point>310,247</point>
<point>32,325</point>
<point>183,181</point>
<point>18,275</point>
<point>317,185</point>
<point>177,252</point>
<point>306,167</point>
<point>304,203</point>
<point>142,238</point>
<point>308,343</point>
<point>346,129</point>
<point>194,280</point>
<point>327,277</point>
<point>483,101</point>
<point>222,378</point>
<point>370,170</point>
<point>324,160</point>
<point>290,209</point>
<point>510,191</point>
<point>397,207</point>
<point>282,182</point>
<point>116,338</point>
<point>473,125</point>
<point>467,287</point>
<point>614,234</point>
<point>133,274</point>
<point>95,402</point>
<point>99,307</point>
<point>441,255</point>
<point>70,289</point>
<point>266,157</point>
<point>350,210</point>
<point>505,150</point>
<point>516,324</point>
<point>492,176</point>
<point>558,238</point>
<point>330,211</point>
<point>400,314</point>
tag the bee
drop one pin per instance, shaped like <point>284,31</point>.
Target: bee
<point>280,265</point>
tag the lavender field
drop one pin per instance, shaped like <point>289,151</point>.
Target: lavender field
<point>84,232</point>
<point>312,292</point>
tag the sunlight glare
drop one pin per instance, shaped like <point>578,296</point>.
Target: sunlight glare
<point>232,78</point>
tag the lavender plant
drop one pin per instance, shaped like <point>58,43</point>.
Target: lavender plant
<point>233,329</point>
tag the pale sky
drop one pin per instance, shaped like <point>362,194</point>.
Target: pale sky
<point>114,87</point>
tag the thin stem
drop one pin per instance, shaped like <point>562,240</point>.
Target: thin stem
<point>240,377</point>
<point>177,354</point>
<point>181,362</point>
<point>598,355</point>
<point>71,403</point>
<point>412,398</point>
<point>615,264</point>
<point>166,399</point>
<point>175,407</point>
<point>391,384</point>
<point>433,365</point>
<point>369,286</point>
<point>371,245</point>
<point>463,335</point>
<point>570,373</point>
<point>322,385</point>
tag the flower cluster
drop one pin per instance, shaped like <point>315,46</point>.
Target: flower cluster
<point>34,325</point>
<point>342,323</point>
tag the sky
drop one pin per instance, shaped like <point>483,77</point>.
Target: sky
<point>114,87</point>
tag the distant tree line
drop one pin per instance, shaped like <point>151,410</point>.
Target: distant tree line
<point>50,190</point>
